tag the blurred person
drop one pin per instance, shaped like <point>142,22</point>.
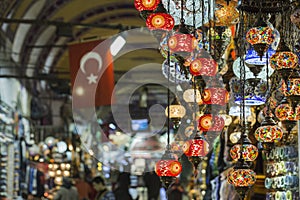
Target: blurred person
<point>85,190</point>
<point>153,185</point>
<point>67,191</point>
<point>102,192</point>
<point>122,188</point>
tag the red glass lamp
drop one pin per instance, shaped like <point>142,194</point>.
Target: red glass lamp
<point>260,36</point>
<point>196,149</point>
<point>141,5</point>
<point>161,21</point>
<point>209,122</point>
<point>216,96</point>
<point>182,44</point>
<point>204,67</point>
<point>168,168</point>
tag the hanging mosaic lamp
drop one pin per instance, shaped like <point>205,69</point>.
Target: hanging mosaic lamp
<point>260,37</point>
<point>268,133</point>
<point>182,43</point>
<point>292,91</point>
<point>189,96</point>
<point>196,149</point>
<point>177,111</point>
<point>226,13</point>
<point>204,67</point>
<point>242,178</point>
<point>168,168</point>
<point>244,147</point>
<point>286,115</point>
<point>141,5</point>
<point>209,122</point>
<point>160,21</point>
<point>284,60</point>
<point>216,96</point>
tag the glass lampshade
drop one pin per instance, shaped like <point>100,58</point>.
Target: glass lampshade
<point>160,21</point>
<point>182,43</point>
<point>285,112</point>
<point>253,59</point>
<point>176,111</point>
<point>189,96</point>
<point>196,147</point>
<point>249,152</point>
<point>141,5</point>
<point>269,132</point>
<point>204,67</point>
<point>216,96</point>
<point>168,168</point>
<point>226,13</point>
<point>209,122</point>
<point>284,58</point>
<point>260,36</point>
<point>241,177</point>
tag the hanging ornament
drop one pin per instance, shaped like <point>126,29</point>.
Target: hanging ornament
<point>196,149</point>
<point>216,96</point>
<point>209,122</point>
<point>168,168</point>
<point>226,13</point>
<point>177,111</point>
<point>204,67</point>
<point>161,21</point>
<point>260,36</point>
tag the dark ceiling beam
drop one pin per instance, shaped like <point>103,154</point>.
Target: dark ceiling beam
<point>61,23</point>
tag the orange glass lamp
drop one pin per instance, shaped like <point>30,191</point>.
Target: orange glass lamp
<point>168,168</point>
<point>141,5</point>
<point>260,37</point>
<point>268,133</point>
<point>242,178</point>
<point>284,60</point>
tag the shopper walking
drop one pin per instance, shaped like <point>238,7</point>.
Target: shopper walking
<point>102,192</point>
<point>67,191</point>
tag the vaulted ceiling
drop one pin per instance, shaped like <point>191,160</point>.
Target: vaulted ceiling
<point>40,31</point>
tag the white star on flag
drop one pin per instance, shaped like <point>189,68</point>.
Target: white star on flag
<point>92,78</point>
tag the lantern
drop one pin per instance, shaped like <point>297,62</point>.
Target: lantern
<point>242,179</point>
<point>196,149</point>
<point>141,5</point>
<point>268,133</point>
<point>249,152</point>
<point>204,67</point>
<point>176,111</point>
<point>168,168</point>
<point>283,58</point>
<point>189,96</point>
<point>182,43</point>
<point>260,36</point>
<point>217,96</point>
<point>208,122</point>
<point>162,21</point>
<point>226,14</point>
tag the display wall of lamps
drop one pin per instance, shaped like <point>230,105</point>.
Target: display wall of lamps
<point>260,37</point>
<point>168,168</point>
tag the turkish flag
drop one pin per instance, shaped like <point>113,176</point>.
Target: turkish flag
<point>92,77</point>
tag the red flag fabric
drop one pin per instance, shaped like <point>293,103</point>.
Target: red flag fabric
<point>92,77</point>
